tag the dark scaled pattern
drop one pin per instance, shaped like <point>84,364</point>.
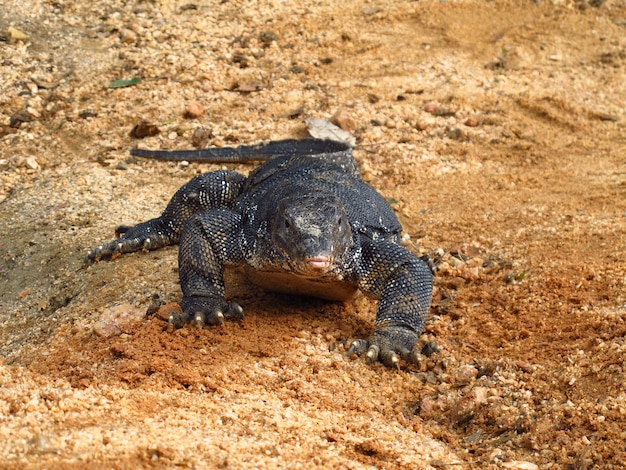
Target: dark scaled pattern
<point>303,222</point>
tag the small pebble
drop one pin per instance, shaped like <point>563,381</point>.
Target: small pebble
<point>193,110</point>
<point>31,163</point>
<point>200,137</point>
<point>342,119</point>
<point>16,34</point>
<point>466,373</point>
<point>525,366</point>
<point>519,465</point>
<point>117,320</point>
<point>127,36</point>
<point>24,293</point>
<point>144,129</point>
<point>466,407</point>
<point>431,107</point>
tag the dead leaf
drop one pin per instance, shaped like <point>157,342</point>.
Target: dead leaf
<point>326,130</point>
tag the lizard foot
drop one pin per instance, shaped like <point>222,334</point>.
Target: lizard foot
<point>206,311</point>
<point>144,236</point>
<point>387,345</point>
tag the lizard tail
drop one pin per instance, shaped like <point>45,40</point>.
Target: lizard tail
<point>247,153</point>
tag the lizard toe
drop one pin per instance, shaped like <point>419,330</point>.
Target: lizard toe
<point>390,358</point>
<point>214,318</point>
<point>388,345</point>
<point>177,320</point>
<point>357,348</point>
<point>372,353</point>
<point>233,312</point>
<point>208,311</point>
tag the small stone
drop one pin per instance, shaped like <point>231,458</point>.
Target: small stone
<point>455,134</point>
<point>267,38</point>
<point>428,408</point>
<point>194,110</point>
<point>144,129</point>
<point>127,36</point>
<point>466,373</point>
<point>431,107</point>
<point>24,293</point>
<point>472,122</point>
<point>200,137</point>
<point>496,455</point>
<point>17,119</point>
<point>525,366</point>
<point>465,409</point>
<point>520,465</point>
<point>117,320</point>
<point>16,34</point>
<point>33,112</point>
<point>31,163</point>
<point>342,119</point>
<point>471,273</point>
<point>87,113</point>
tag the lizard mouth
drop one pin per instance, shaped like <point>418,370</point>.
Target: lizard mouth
<point>319,263</point>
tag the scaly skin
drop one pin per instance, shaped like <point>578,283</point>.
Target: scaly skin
<point>303,222</point>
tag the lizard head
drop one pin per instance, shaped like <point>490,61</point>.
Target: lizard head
<point>312,233</point>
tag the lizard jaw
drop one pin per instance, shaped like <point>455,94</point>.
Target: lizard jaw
<point>319,264</point>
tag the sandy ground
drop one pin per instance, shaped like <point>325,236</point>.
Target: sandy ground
<point>496,129</point>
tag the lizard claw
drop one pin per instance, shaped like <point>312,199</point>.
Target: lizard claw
<point>357,347</point>
<point>146,236</point>
<point>206,311</point>
<point>387,345</point>
<point>234,312</point>
<point>372,353</point>
<point>177,320</point>
<point>390,359</point>
<point>216,318</point>
<point>387,357</point>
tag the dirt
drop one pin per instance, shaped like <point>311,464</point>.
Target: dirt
<point>495,129</point>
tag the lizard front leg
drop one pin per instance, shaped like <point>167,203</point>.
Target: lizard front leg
<point>218,189</point>
<point>403,284</point>
<point>210,241</point>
